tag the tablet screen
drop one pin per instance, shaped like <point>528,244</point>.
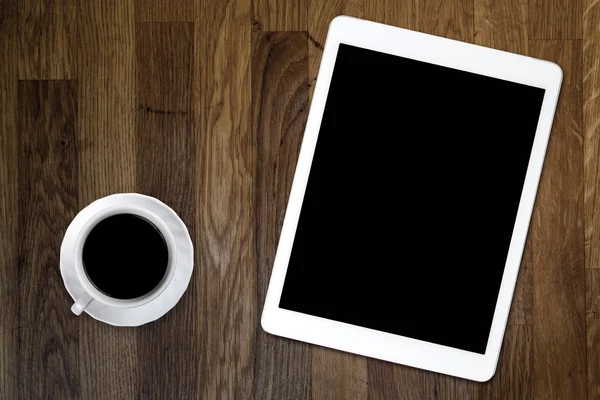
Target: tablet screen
<point>412,198</point>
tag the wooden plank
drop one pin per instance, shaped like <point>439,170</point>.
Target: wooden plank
<point>9,273</point>
<point>501,24</point>
<point>166,160</point>
<point>48,39</point>
<point>320,14</point>
<point>404,14</point>
<point>513,379</point>
<point>280,15</point>
<point>555,19</point>
<point>559,364</point>
<point>226,209</point>
<point>591,166</point>
<point>448,18</point>
<point>391,381</point>
<point>279,112</point>
<point>591,127</point>
<point>107,99</point>
<point>450,388</point>
<point>29,32</point>
<point>107,165</point>
<point>521,309</point>
<point>593,332</point>
<point>48,346</point>
<point>164,10</point>
<point>338,375</point>
<point>58,46</point>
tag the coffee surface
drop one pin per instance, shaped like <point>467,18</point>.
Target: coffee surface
<point>125,256</point>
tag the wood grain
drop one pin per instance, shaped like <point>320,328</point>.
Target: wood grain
<point>9,273</point>
<point>591,166</point>
<point>513,378</point>
<point>501,24</point>
<point>450,388</point>
<point>338,375</point>
<point>106,58</point>
<point>452,19</point>
<point>164,10</point>
<point>591,131</point>
<point>448,18</point>
<point>521,310</point>
<point>555,19</point>
<point>320,14</point>
<point>388,381</point>
<point>226,163</point>
<point>279,15</point>
<point>48,34</point>
<point>29,32</point>
<point>558,241</point>
<point>107,165</point>
<point>166,169</point>
<point>593,332</point>
<point>404,14</point>
<point>48,346</point>
<point>279,112</point>
<point>203,104</point>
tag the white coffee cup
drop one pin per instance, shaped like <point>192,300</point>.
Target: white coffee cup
<point>85,293</point>
<point>93,294</point>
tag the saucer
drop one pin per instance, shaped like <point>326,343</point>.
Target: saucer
<point>165,301</point>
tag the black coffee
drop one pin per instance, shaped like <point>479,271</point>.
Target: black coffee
<point>125,256</point>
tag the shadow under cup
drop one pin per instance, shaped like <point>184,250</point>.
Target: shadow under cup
<point>125,256</point>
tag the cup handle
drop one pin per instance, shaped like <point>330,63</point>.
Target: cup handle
<point>81,304</point>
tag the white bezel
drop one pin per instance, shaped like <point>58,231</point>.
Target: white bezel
<point>382,345</point>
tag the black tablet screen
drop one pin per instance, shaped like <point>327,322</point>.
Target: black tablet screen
<point>412,198</point>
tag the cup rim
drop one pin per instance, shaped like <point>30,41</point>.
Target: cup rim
<point>87,284</point>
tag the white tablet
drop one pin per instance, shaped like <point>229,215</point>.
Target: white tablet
<point>412,198</point>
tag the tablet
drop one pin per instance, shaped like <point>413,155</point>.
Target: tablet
<point>411,198</point>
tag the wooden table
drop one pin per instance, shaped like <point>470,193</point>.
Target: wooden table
<point>203,105</point>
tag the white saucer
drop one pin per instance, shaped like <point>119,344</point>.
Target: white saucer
<point>163,302</point>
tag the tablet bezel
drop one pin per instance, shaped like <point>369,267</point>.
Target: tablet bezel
<point>382,345</point>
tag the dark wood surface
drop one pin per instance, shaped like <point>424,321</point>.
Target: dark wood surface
<point>202,103</point>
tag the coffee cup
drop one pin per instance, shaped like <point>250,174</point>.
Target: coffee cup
<point>121,252</point>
